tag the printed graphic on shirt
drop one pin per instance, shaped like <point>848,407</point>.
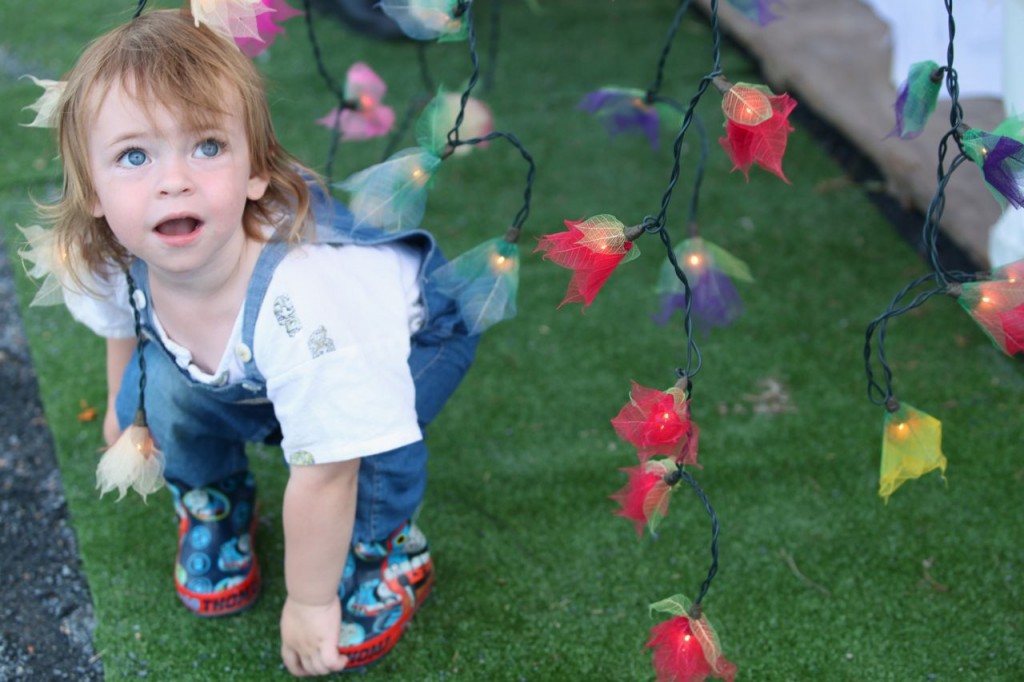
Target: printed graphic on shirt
<point>301,458</point>
<point>284,313</point>
<point>319,343</point>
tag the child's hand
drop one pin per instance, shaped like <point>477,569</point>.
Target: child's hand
<point>111,428</point>
<point>309,638</point>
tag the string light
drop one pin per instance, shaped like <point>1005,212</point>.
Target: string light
<point>646,421</point>
<point>748,105</point>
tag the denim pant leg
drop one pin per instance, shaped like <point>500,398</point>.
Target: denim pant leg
<point>201,430</point>
<point>391,484</point>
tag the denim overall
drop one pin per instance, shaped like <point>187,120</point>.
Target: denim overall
<point>202,429</point>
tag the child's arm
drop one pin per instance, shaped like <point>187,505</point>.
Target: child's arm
<point>319,511</point>
<point>119,354</point>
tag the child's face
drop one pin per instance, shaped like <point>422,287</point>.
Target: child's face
<point>172,196</point>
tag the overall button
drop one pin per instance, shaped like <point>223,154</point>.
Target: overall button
<point>139,299</point>
<point>243,353</point>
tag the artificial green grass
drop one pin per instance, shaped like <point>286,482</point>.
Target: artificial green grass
<point>537,580</point>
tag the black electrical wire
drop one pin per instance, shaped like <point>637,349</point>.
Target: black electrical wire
<point>140,341</point>
<point>880,392</point>
<point>453,134</point>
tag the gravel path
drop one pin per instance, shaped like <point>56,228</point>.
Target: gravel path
<point>46,616</point>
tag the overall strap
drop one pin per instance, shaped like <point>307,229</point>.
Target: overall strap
<point>140,298</point>
<point>270,257</point>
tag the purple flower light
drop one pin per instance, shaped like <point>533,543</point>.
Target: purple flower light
<point>1001,160</point>
<point>916,99</point>
<point>759,11</point>
<point>1003,168</point>
<point>623,110</point>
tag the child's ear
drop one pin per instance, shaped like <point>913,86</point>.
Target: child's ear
<point>257,187</point>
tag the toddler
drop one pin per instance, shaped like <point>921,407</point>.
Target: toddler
<point>240,305</point>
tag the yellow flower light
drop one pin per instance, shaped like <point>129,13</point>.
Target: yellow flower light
<point>911,447</point>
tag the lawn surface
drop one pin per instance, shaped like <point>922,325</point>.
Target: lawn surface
<point>537,579</point>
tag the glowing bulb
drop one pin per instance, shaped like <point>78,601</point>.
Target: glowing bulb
<point>366,102</point>
<point>500,263</point>
<point>746,105</point>
<point>902,430</point>
<point>694,259</point>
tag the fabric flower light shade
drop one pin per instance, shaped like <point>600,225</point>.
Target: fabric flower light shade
<point>233,19</point>
<point>133,461</point>
<point>484,281</point>
<point>686,647</point>
<point>759,11</point>
<point>658,423</point>
<point>477,121</point>
<point>624,110</point>
<point>997,305</point>
<point>41,252</point>
<point>427,19</point>
<point>46,106</point>
<point>268,25</point>
<point>710,271</point>
<point>592,249</point>
<point>364,116</point>
<point>644,499</point>
<point>439,117</point>
<point>392,195</point>
<point>1000,155</point>
<point>911,447</point>
<point>916,99</point>
<point>749,138</point>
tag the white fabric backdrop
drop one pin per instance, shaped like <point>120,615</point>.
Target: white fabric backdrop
<point>919,30</point>
<point>984,47</point>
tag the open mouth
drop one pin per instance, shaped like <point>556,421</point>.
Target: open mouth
<point>177,227</point>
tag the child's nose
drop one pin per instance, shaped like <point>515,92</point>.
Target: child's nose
<point>175,178</point>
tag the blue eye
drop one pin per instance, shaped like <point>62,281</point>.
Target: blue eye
<point>208,149</point>
<point>134,158</point>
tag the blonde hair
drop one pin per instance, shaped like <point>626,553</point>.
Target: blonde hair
<point>163,58</point>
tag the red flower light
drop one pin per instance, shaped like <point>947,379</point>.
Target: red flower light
<point>996,303</point>
<point>592,249</point>
<point>764,143</point>
<point>644,499</point>
<point>1012,322</point>
<point>686,650</point>
<point>658,423</point>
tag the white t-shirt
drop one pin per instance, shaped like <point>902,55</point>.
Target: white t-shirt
<point>332,340</point>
